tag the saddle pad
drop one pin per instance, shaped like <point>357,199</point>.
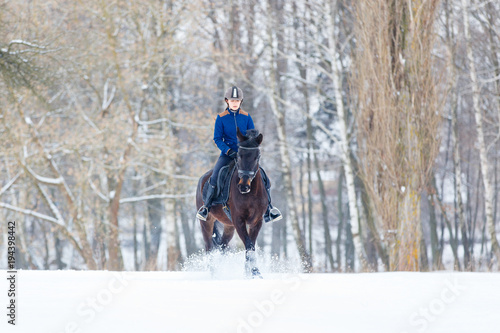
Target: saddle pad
<point>223,182</point>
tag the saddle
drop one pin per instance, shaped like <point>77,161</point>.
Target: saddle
<point>223,182</point>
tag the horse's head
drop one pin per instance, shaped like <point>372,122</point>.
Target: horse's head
<point>248,158</point>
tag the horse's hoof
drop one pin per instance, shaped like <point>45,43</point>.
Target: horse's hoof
<point>256,273</point>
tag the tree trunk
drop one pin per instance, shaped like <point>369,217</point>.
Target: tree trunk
<point>115,261</point>
<point>458,193</point>
<point>424,259</point>
<point>302,196</point>
<point>483,154</point>
<point>349,248</point>
<point>309,177</point>
<point>173,254</point>
<point>406,252</point>
<point>146,244</point>
<point>186,231</point>
<point>155,211</point>
<point>494,58</point>
<point>276,232</point>
<point>324,209</point>
<point>454,131</point>
<point>341,219</point>
<point>136,243</point>
<point>435,248</point>
<point>453,244</point>
<point>344,138</point>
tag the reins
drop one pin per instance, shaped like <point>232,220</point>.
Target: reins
<point>249,148</point>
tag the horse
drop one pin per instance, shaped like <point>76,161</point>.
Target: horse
<point>247,203</point>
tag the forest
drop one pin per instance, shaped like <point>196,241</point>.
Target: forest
<point>380,118</point>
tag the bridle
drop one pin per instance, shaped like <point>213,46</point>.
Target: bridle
<point>249,173</point>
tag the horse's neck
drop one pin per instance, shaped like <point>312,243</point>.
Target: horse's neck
<point>259,184</point>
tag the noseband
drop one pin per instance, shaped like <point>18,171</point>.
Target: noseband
<point>249,173</point>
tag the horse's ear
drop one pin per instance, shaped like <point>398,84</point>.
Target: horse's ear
<point>241,137</point>
<point>259,138</point>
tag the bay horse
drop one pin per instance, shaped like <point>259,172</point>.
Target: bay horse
<point>247,203</point>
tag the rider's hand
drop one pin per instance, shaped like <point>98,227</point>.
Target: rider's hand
<point>231,153</point>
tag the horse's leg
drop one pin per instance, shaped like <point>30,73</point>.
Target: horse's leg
<point>226,237</point>
<point>250,260</point>
<point>207,228</point>
<point>253,232</point>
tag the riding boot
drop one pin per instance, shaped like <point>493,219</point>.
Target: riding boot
<point>203,211</point>
<point>272,213</point>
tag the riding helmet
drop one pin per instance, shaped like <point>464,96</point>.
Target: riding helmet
<point>234,93</point>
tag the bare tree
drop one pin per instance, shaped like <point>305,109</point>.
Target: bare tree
<point>398,117</point>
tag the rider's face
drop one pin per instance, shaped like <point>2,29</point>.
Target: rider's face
<point>234,104</point>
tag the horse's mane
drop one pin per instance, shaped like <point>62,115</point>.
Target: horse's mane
<point>250,142</point>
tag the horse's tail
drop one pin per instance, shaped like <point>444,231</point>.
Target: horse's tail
<point>217,233</point>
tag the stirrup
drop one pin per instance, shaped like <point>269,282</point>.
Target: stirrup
<point>202,213</point>
<point>273,215</point>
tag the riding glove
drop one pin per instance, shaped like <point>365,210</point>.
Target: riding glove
<point>232,154</point>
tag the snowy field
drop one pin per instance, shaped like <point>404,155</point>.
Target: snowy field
<point>196,300</point>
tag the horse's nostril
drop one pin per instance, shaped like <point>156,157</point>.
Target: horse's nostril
<point>244,189</point>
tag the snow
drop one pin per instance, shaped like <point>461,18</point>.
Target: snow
<point>196,300</point>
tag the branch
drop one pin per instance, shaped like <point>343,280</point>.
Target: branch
<point>41,179</point>
<point>50,203</point>
<point>9,184</point>
<point>47,218</point>
<point>22,42</point>
<point>106,102</point>
<point>50,160</point>
<point>157,196</point>
<point>99,194</point>
<point>166,173</point>
<point>92,186</point>
<point>165,120</point>
<point>321,126</point>
<point>32,213</point>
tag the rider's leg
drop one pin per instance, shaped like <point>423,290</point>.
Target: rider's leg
<point>212,186</point>
<point>202,213</point>
<point>272,213</point>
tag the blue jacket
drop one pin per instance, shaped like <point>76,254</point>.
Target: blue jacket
<point>225,130</point>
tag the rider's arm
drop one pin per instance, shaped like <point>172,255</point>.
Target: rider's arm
<point>218,132</point>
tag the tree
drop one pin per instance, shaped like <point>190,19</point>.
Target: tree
<point>398,117</point>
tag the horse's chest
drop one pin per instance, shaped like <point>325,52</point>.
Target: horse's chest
<point>253,212</point>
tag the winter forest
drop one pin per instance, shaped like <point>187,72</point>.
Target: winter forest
<point>381,126</point>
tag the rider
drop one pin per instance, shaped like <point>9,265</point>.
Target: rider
<point>226,140</point>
